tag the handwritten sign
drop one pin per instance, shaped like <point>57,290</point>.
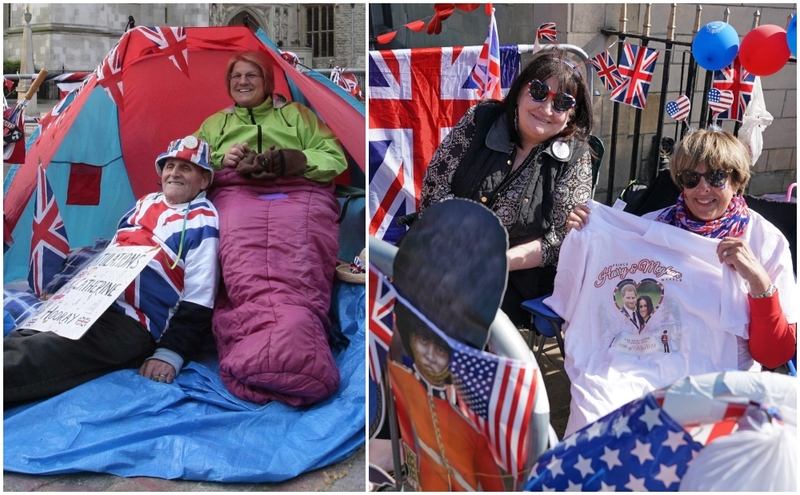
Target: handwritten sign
<point>82,300</point>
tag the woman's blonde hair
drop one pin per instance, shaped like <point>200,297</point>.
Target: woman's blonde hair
<point>719,150</point>
<point>261,61</point>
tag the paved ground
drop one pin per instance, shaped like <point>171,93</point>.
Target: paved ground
<point>346,476</point>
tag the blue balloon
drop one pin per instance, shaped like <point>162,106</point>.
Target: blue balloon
<point>715,45</point>
<point>791,35</point>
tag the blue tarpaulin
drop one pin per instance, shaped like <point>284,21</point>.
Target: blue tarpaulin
<point>193,429</point>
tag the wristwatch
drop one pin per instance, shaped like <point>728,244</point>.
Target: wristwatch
<point>770,290</point>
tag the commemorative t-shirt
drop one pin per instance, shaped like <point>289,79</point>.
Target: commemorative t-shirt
<point>693,311</point>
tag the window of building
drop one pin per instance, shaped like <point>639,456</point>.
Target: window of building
<point>319,29</point>
<point>7,15</point>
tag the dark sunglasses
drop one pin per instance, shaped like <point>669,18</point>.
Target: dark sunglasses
<point>539,91</point>
<point>715,178</point>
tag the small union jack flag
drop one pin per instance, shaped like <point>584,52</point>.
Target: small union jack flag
<point>606,70</point>
<point>547,31</point>
<point>737,80</point>
<point>171,41</point>
<point>486,73</point>
<point>636,66</point>
<point>49,243</point>
<point>109,74</point>
<point>381,322</point>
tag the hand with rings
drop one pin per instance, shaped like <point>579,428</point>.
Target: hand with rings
<point>157,370</point>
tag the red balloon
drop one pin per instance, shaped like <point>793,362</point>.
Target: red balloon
<point>764,50</point>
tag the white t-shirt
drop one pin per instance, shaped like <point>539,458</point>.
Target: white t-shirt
<point>696,318</point>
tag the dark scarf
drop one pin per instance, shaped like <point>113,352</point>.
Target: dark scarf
<point>733,223</point>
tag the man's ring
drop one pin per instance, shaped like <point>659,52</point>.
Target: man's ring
<point>725,254</point>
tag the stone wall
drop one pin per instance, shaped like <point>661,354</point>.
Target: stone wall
<point>580,25</point>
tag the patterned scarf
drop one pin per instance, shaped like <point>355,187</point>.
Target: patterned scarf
<point>733,222</point>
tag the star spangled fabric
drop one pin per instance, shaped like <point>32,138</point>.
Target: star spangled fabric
<point>486,73</point>
<point>547,31</point>
<point>636,66</point>
<point>496,393</point>
<point>416,97</point>
<point>606,70</point>
<point>638,447</point>
<point>719,100</point>
<point>738,81</point>
<point>680,108</point>
<point>49,242</point>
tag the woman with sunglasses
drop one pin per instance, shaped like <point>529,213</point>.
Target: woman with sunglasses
<point>278,239</point>
<point>712,168</point>
<point>527,159</point>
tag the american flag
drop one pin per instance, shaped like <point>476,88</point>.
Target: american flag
<point>547,31</point>
<point>381,321</point>
<point>606,70</point>
<point>49,243</point>
<point>680,108</point>
<point>497,395</point>
<point>719,101</point>
<point>415,97</point>
<point>486,73</point>
<point>171,41</point>
<point>636,68</point>
<point>741,83</point>
<point>638,447</point>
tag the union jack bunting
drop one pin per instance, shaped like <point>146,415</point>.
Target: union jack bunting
<point>606,70</point>
<point>636,67</point>
<point>496,394</point>
<point>486,73</point>
<point>741,83</point>
<point>381,322</point>
<point>547,31</point>
<point>638,447</point>
<point>171,41</point>
<point>49,243</point>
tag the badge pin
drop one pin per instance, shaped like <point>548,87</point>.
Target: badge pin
<point>560,150</point>
<point>190,142</point>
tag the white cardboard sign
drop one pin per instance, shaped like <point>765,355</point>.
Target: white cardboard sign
<point>82,300</point>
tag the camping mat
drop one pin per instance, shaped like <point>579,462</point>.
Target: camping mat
<point>194,429</point>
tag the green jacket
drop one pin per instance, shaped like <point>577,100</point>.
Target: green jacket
<point>284,124</point>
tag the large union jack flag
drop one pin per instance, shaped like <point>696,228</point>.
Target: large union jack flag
<point>416,98</point>
<point>487,70</point>
<point>737,80</point>
<point>171,41</point>
<point>49,243</point>
<point>636,66</point>
<point>606,70</point>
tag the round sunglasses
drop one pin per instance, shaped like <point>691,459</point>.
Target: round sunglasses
<point>539,91</point>
<point>715,178</point>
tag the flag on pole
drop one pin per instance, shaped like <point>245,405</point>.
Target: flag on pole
<point>636,66</point>
<point>738,81</point>
<point>606,70</point>
<point>547,31</point>
<point>486,73</point>
<point>381,322</point>
<point>680,108</point>
<point>49,243</point>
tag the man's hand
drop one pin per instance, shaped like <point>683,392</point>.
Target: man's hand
<point>158,371</point>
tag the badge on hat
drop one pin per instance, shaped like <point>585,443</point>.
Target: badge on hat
<point>190,142</point>
<point>560,150</point>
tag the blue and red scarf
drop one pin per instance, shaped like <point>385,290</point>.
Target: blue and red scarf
<point>733,223</point>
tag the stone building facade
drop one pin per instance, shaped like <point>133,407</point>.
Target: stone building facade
<point>76,37</point>
<point>580,25</point>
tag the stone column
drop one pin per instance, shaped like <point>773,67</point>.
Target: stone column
<point>26,65</point>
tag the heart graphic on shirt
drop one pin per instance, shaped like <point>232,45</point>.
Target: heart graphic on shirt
<point>645,297</point>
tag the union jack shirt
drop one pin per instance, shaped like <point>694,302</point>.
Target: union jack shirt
<point>153,296</point>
